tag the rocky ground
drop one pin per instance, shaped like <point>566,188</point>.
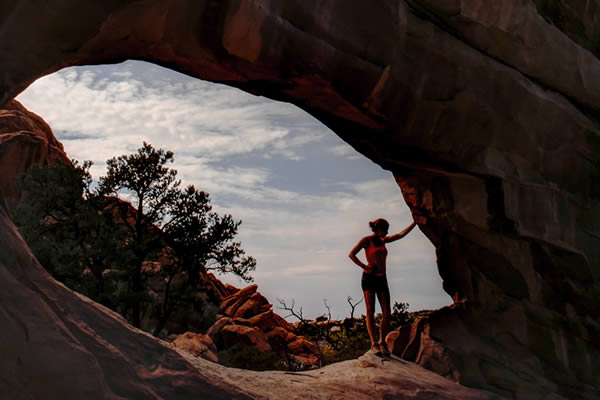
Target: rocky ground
<point>368,377</point>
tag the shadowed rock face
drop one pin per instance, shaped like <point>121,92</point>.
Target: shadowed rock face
<point>486,113</point>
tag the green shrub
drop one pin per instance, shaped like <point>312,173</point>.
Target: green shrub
<point>353,346</point>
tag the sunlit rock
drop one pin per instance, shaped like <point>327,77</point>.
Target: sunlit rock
<point>197,344</point>
<point>255,304</point>
<point>25,140</point>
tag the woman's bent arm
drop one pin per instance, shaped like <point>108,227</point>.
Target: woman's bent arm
<point>355,251</point>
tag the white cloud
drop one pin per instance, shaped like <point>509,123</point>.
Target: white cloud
<point>126,74</point>
<point>194,117</point>
<point>344,150</point>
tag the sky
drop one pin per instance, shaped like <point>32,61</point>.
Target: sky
<point>304,196</point>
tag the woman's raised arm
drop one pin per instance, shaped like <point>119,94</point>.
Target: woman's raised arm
<point>400,235</point>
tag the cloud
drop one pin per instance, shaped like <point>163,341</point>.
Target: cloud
<point>125,74</point>
<point>193,117</point>
<point>344,151</point>
<point>254,157</point>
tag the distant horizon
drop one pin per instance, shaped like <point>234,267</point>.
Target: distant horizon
<point>304,196</point>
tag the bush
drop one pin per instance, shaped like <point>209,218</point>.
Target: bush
<point>354,343</point>
<point>249,357</point>
<point>400,315</point>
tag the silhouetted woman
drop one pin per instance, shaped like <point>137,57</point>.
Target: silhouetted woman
<point>374,280</point>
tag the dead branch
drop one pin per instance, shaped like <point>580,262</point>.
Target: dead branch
<point>353,306</point>
<point>292,312</point>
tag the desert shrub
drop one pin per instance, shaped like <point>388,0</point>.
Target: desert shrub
<point>352,342</point>
<point>400,315</point>
<point>249,357</point>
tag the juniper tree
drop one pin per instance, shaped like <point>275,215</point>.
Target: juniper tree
<point>137,215</point>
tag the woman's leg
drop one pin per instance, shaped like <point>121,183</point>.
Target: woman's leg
<point>383,295</point>
<point>370,303</point>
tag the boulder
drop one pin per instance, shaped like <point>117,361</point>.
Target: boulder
<point>245,335</point>
<point>255,304</point>
<point>302,345</point>
<point>214,331</point>
<point>197,344</point>
<point>290,336</point>
<point>265,320</point>
<point>307,360</point>
<point>268,320</point>
<point>222,289</point>
<point>230,304</point>
<point>241,321</point>
<point>230,289</point>
<point>276,336</point>
<point>405,341</point>
<point>280,321</point>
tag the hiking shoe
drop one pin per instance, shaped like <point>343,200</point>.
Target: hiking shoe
<point>383,349</point>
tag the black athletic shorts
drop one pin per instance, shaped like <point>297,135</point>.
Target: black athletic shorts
<point>373,282</point>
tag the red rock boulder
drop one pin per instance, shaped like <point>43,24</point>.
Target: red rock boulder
<point>245,335</point>
<point>197,344</point>
<point>25,140</point>
<point>277,336</point>
<point>268,320</point>
<point>255,304</point>
<point>214,331</point>
<point>302,345</point>
<point>230,304</point>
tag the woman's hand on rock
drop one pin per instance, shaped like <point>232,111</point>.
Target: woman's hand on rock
<point>420,220</point>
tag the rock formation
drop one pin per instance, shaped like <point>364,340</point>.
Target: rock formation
<point>25,140</point>
<point>198,345</point>
<point>247,317</point>
<point>486,113</point>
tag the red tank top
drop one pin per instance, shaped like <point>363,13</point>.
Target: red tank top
<point>376,256</point>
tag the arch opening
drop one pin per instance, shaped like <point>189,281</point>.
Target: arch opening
<point>304,196</point>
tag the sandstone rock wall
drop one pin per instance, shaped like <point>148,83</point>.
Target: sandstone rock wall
<point>25,140</point>
<point>486,113</point>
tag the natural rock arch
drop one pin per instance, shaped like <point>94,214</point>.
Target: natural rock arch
<point>488,131</point>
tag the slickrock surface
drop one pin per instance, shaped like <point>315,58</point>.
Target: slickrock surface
<point>368,377</point>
